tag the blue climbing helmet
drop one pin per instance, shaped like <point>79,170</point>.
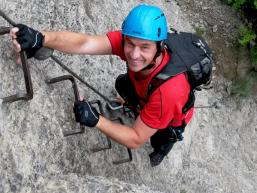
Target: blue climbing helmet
<point>145,22</point>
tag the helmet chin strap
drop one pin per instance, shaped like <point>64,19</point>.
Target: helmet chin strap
<point>149,66</point>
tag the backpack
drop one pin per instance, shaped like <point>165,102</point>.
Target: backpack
<point>191,55</point>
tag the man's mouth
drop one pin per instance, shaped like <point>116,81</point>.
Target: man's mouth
<point>135,62</point>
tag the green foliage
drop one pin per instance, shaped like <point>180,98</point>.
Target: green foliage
<point>238,4</point>
<point>253,3</point>
<point>242,87</point>
<point>199,31</point>
<point>247,35</point>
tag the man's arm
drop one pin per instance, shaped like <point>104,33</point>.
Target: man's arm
<point>69,42</point>
<point>131,137</point>
<point>78,43</point>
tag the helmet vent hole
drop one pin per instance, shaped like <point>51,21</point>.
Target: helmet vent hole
<point>159,32</point>
<point>157,17</point>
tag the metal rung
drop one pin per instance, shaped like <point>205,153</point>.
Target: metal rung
<point>4,30</point>
<point>28,84</point>
<point>129,159</point>
<point>76,94</point>
<point>109,145</point>
<point>25,67</point>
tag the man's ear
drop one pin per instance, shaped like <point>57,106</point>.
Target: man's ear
<point>162,45</point>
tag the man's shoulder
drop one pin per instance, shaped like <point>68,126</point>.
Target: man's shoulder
<point>114,35</point>
<point>115,38</point>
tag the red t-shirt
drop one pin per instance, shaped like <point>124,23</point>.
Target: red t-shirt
<point>164,106</point>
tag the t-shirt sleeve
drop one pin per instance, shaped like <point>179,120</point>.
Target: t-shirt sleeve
<point>165,104</point>
<point>115,38</point>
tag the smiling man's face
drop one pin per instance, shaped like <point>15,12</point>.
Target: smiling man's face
<point>139,52</point>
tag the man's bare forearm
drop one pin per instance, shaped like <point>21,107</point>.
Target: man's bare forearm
<point>122,134</point>
<point>68,42</point>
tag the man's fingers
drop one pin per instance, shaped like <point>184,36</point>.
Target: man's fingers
<point>120,100</point>
<point>13,32</point>
<point>17,46</point>
<point>18,58</point>
<point>81,98</point>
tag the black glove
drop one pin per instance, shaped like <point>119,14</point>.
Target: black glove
<point>85,113</point>
<point>29,39</point>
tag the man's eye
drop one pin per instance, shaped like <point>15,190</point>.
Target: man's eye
<point>129,44</point>
<point>145,47</point>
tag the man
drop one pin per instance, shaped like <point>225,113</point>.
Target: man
<point>140,44</point>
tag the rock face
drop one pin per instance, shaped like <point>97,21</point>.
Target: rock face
<point>218,153</point>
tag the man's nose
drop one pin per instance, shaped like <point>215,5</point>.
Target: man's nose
<point>135,53</point>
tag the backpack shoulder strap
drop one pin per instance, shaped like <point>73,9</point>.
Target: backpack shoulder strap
<point>156,83</point>
<point>173,67</point>
<point>176,65</point>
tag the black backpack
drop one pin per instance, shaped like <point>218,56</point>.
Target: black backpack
<point>190,54</point>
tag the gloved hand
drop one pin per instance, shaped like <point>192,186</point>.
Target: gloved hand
<point>29,39</point>
<point>85,113</point>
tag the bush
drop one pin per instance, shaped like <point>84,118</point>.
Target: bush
<point>242,87</point>
<point>247,36</point>
<point>238,4</point>
<point>199,31</point>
